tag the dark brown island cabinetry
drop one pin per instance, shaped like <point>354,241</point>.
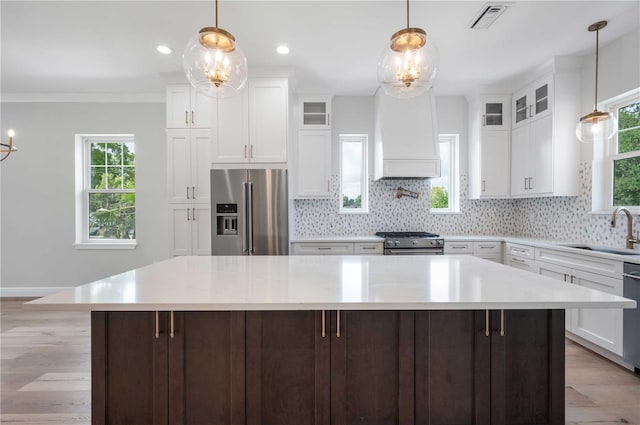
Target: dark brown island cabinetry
<point>328,367</point>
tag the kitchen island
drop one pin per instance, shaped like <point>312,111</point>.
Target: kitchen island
<point>328,340</point>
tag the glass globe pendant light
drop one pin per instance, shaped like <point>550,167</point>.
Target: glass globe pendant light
<point>409,63</point>
<point>213,63</point>
<point>596,126</point>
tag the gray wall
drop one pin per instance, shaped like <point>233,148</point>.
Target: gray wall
<point>37,225</point>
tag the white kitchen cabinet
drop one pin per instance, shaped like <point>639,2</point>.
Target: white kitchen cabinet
<point>368,248</point>
<point>313,164</point>
<point>602,327</point>
<point>231,144</point>
<point>188,165</point>
<point>314,112</point>
<point>488,250</point>
<point>322,248</point>
<point>545,152</point>
<point>268,120</point>
<point>521,257</point>
<point>458,247</point>
<point>186,108</point>
<point>489,148</point>
<point>190,229</point>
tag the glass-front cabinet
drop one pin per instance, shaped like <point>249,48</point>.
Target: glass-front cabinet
<point>495,113</point>
<point>533,101</point>
<point>314,112</point>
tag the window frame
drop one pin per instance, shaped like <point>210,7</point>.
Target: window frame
<point>604,155</point>
<point>454,175</point>
<point>364,177</point>
<point>83,189</point>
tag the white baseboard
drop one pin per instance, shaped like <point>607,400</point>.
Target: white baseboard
<point>35,291</point>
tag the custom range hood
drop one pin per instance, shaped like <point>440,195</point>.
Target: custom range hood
<point>406,137</point>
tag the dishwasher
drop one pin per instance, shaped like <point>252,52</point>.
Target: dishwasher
<point>631,318</point>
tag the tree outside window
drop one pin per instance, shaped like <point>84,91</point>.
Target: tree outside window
<point>626,159</point>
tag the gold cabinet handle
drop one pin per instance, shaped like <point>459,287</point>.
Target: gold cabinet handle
<point>501,322</point>
<point>324,324</point>
<point>328,119</point>
<point>530,183</point>
<point>187,192</point>
<point>565,277</point>
<point>157,330</point>
<point>193,192</point>
<point>251,151</point>
<point>193,214</point>
<point>484,120</point>
<point>188,219</point>
<point>186,117</point>
<point>193,119</point>
<point>573,279</point>
<point>337,323</point>
<point>484,185</point>
<point>486,323</point>
<point>328,186</point>
<point>245,151</point>
<point>172,332</point>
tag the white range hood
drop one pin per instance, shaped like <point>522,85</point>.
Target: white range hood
<point>406,137</point>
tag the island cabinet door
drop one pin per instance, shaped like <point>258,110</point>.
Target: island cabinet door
<point>129,368</point>
<point>372,367</point>
<point>452,368</point>
<point>206,368</point>
<point>287,368</point>
<point>527,367</point>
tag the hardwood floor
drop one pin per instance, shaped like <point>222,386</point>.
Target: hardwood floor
<point>45,374</point>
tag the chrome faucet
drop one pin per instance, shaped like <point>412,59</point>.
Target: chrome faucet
<point>630,240</point>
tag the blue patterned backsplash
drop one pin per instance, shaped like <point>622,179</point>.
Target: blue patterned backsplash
<point>554,218</point>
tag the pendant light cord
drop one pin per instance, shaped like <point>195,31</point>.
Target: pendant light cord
<point>407,13</point>
<point>216,13</point>
<point>595,104</point>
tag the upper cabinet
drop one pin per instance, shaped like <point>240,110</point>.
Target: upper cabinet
<point>489,146</point>
<point>545,152</point>
<point>314,112</point>
<point>186,108</point>
<point>532,102</point>
<point>188,166</point>
<point>252,127</point>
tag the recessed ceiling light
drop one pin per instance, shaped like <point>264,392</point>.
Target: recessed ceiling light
<point>165,50</point>
<point>283,50</point>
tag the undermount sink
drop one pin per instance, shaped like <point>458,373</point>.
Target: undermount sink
<point>595,248</point>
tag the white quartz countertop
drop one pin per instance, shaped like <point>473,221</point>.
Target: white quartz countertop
<point>447,282</point>
<point>316,239</point>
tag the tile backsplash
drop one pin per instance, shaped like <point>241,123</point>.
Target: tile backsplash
<point>555,218</point>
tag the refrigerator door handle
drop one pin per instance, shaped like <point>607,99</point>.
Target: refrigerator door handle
<point>245,243</point>
<point>249,209</point>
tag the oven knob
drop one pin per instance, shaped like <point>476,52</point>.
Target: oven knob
<point>397,243</point>
<point>432,243</point>
<point>415,242</point>
<point>389,243</point>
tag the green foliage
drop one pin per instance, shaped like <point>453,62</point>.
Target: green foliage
<point>626,172</point>
<point>351,203</point>
<point>439,197</point>
<point>112,215</point>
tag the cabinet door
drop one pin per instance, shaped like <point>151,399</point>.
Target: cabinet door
<point>600,326</point>
<point>520,158</point>
<point>541,97</point>
<point>372,367</point>
<point>314,164</point>
<point>521,263</point>
<point>287,368</point>
<point>495,113</point>
<point>520,111</point>
<point>200,145</point>
<point>268,120</point>
<point>202,110</point>
<point>541,156</point>
<point>563,274</point>
<point>494,163</point>
<point>206,368</point>
<point>452,368</point>
<point>180,219</point>
<point>200,229</point>
<point>129,379</point>
<point>314,112</point>
<point>232,139</point>
<point>527,367</point>
<point>179,166</point>
<point>178,99</point>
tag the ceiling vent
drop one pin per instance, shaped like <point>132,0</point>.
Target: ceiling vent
<point>487,16</point>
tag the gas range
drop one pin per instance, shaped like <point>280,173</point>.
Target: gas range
<point>412,243</point>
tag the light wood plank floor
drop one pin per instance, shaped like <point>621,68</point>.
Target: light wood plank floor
<point>45,366</point>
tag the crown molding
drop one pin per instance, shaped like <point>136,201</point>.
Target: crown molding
<point>82,98</point>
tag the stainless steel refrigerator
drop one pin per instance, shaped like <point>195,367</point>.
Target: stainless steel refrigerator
<point>249,212</point>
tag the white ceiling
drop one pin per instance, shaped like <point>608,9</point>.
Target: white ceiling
<point>109,46</point>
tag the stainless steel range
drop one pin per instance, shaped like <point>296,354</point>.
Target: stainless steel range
<point>412,243</point>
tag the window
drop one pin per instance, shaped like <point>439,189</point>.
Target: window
<point>353,173</point>
<point>616,171</point>
<point>105,191</point>
<point>445,189</point>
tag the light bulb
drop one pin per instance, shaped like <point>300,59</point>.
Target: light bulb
<point>595,128</point>
<point>11,133</point>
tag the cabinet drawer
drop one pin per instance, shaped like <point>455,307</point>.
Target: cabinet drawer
<point>527,264</point>
<point>483,248</point>
<point>497,258</point>
<point>365,248</point>
<point>518,250</point>
<point>458,247</point>
<point>587,263</point>
<point>323,248</point>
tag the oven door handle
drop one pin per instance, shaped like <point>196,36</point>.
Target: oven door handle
<point>414,251</point>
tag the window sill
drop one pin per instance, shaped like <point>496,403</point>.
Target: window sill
<point>444,212</point>
<point>353,212</point>
<point>106,245</point>
<point>633,210</point>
